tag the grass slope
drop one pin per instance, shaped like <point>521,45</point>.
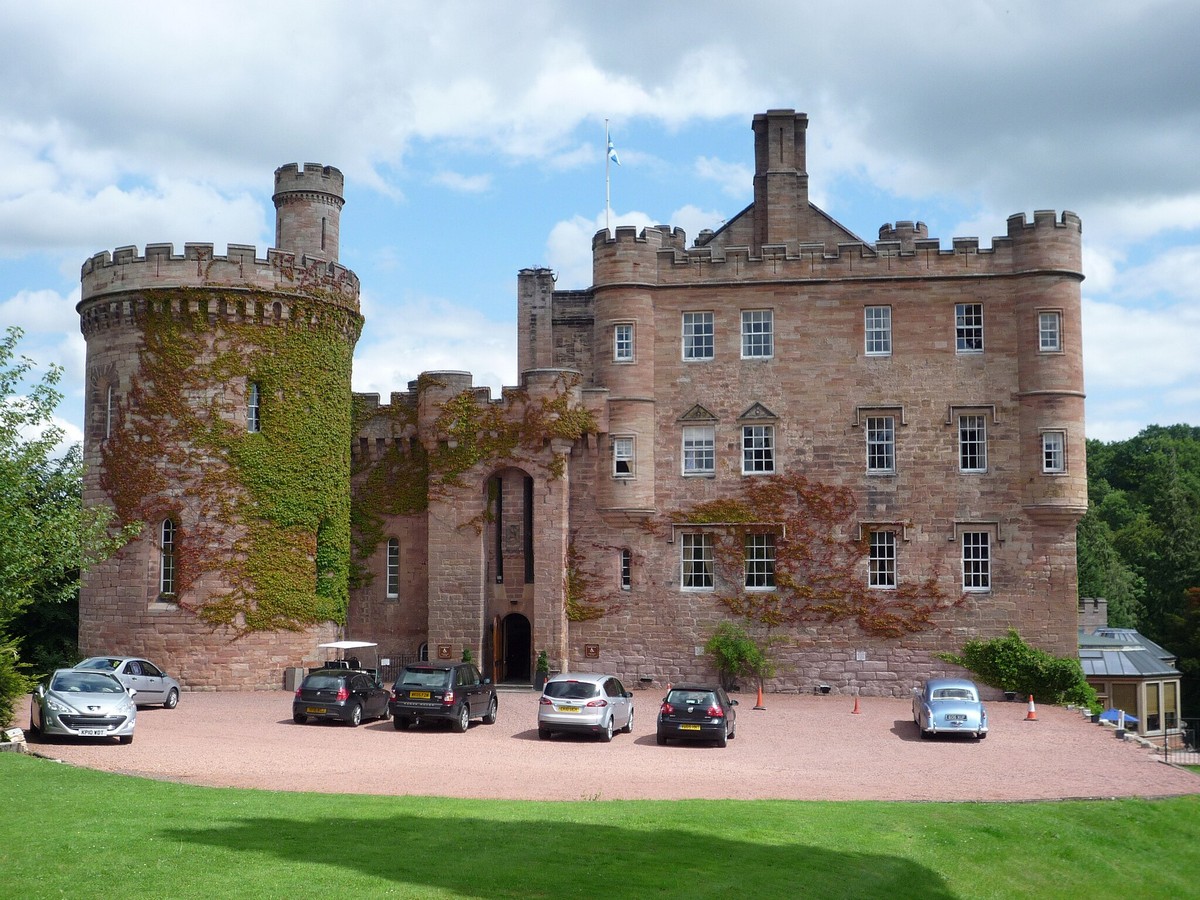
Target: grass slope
<point>67,831</point>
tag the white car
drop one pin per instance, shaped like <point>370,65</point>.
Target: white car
<point>153,685</point>
<point>587,703</point>
<point>79,703</point>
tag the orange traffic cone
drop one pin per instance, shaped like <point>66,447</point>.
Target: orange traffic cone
<point>856,711</point>
<point>1031,716</point>
<point>758,704</point>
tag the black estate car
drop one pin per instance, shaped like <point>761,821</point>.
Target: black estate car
<point>451,692</point>
<point>342,694</point>
<point>701,712</point>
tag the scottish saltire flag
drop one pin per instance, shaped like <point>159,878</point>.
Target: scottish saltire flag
<point>612,152</point>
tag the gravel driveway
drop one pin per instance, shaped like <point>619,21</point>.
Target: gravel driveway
<point>799,748</point>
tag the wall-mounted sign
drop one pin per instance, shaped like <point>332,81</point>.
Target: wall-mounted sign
<point>443,651</point>
<point>591,651</point>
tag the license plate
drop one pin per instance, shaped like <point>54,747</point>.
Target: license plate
<point>315,710</point>
<point>418,695</point>
<point>570,709</point>
<point>93,732</point>
<point>956,717</point>
<point>689,727</point>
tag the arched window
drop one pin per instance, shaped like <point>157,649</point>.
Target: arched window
<point>393,568</point>
<point>166,576</point>
<point>253,423</point>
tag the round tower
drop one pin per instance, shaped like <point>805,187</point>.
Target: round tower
<point>217,417</point>
<point>308,209</point>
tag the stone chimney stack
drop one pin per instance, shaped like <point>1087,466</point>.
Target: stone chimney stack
<point>780,178</point>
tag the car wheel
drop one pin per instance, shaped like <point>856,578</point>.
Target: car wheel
<point>733,732</point>
<point>544,734</point>
<point>490,718</point>
<point>33,729</point>
<point>925,735</point>
<point>172,700</point>
<point>723,739</point>
<point>355,715</point>
<point>125,739</point>
<point>607,732</point>
<point>661,739</point>
<point>299,718</point>
<point>462,720</point>
<point>981,735</point>
<point>628,729</point>
<point>400,723</point>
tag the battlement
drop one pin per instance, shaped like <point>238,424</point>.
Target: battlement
<point>241,268</point>
<point>1048,243</point>
<point>313,178</point>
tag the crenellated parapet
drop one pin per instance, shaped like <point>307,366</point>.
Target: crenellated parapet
<point>240,268</point>
<point>659,255</point>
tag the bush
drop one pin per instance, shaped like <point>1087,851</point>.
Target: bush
<point>14,683</point>
<point>1008,663</point>
<point>736,654</point>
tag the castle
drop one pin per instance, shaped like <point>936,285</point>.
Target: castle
<point>863,453</point>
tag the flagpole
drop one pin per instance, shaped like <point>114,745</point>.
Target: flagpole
<point>607,183</point>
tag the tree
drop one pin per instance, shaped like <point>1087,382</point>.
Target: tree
<point>48,537</point>
<point>1103,573</point>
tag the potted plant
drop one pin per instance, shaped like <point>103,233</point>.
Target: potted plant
<point>542,670</point>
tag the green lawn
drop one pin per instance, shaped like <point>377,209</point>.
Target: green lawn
<point>69,832</point>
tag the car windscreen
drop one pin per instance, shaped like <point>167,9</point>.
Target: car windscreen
<point>571,690</point>
<point>99,662</point>
<point>86,683</point>
<point>953,694</point>
<point>691,698</point>
<point>423,677</point>
<point>322,683</point>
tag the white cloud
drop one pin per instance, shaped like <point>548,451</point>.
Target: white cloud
<point>1139,348</point>
<point>463,184</point>
<point>735,178</point>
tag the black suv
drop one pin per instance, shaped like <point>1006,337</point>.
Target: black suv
<point>342,694</point>
<point>453,692</point>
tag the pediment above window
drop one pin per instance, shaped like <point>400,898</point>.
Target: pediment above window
<point>757,413</point>
<point>698,414</point>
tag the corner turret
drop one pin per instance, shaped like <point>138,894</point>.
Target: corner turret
<point>308,209</point>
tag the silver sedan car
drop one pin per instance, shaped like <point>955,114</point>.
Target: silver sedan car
<point>154,686</point>
<point>587,703</point>
<point>949,706</point>
<point>78,703</point>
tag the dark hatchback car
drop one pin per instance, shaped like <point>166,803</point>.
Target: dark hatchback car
<point>446,692</point>
<point>697,712</point>
<point>344,695</point>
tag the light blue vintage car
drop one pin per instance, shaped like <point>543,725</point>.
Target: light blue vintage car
<point>948,706</point>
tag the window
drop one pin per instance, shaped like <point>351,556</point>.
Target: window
<point>758,329</point>
<point>877,325</point>
<point>1054,452</point>
<point>881,444</point>
<point>699,456</point>
<point>109,410</point>
<point>393,568</point>
<point>760,561</point>
<point>622,448</point>
<point>882,560</point>
<point>976,561</point>
<point>968,327</point>
<point>697,335</point>
<point>623,343</point>
<point>1050,332</point>
<point>697,561</point>
<point>758,449</point>
<point>252,403</point>
<point>972,444</point>
<point>626,569</point>
<point>166,556</point>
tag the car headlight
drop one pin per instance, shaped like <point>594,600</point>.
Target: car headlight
<point>57,706</point>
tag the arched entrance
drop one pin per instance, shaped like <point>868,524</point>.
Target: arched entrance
<point>516,648</point>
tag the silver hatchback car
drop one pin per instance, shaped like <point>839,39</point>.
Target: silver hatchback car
<point>587,703</point>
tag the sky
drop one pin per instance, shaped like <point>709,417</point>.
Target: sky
<point>472,140</point>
